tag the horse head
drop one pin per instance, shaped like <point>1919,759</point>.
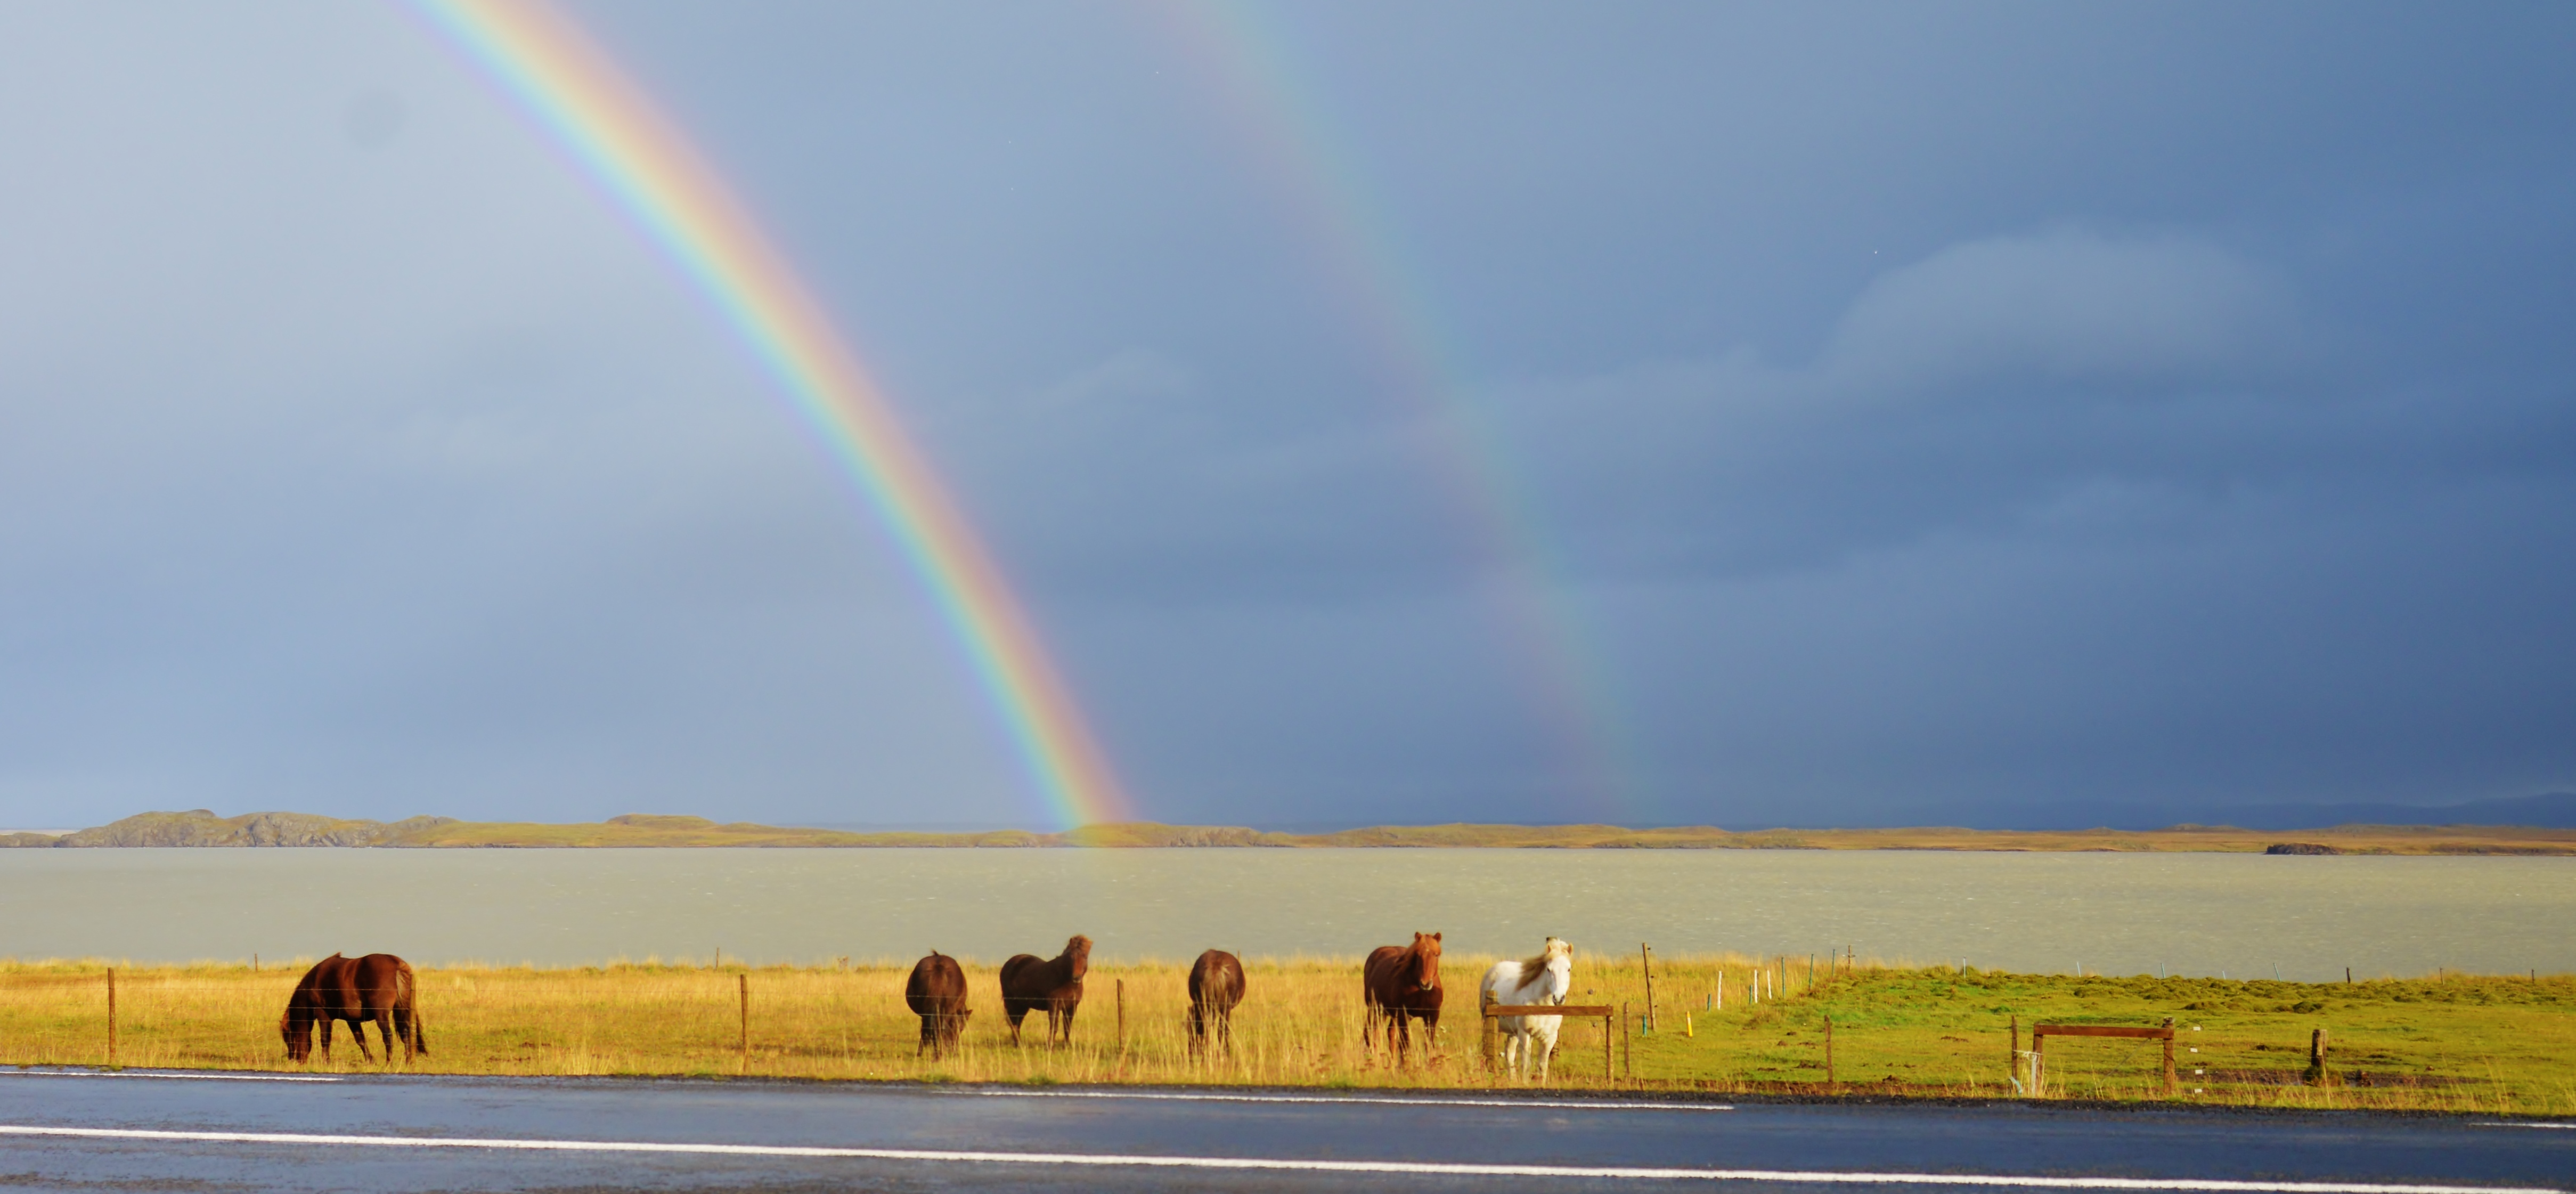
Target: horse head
<point>1426,961</point>
<point>1078,951</point>
<point>297,1031</point>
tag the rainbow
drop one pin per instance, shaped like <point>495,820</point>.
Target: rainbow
<point>1247,65</point>
<point>652,171</point>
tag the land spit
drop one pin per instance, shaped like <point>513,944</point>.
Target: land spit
<point>202,828</point>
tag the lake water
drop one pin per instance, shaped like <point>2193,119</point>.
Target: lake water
<point>2117,913</point>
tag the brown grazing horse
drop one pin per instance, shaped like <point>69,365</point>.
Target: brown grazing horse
<point>377,987</point>
<point>1216,985</point>
<point>1402,983</point>
<point>1053,986</point>
<point>937,993</point>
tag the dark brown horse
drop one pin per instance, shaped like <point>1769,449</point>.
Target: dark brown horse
<point>1216,985</point>
<point>1402,983</point>
<point>377,987</point>
<point>1053,985</point>
<point>937,993</point>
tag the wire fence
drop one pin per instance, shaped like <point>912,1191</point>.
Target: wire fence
<point>1728,1024</point>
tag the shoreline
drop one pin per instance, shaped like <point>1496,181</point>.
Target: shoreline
<point>200,828</point>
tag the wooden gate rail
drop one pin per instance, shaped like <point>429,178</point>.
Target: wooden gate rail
<point>2039,1034</point>
<point>1602,1012</point>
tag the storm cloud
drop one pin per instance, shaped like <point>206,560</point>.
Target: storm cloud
<point>1976,414</point>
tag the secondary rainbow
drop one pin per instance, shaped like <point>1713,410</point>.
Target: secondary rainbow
<point>652,171</point>
<point>1247,61</point>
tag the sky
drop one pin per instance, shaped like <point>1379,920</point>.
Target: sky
<point>1653,414</point>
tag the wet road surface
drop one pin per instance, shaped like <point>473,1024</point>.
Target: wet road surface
<point>131,1131</point>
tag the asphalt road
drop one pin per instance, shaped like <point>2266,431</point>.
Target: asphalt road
<point>92,1132</point>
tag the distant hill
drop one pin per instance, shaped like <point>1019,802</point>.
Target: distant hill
<point>2554,810</point>
<point>200,827</point>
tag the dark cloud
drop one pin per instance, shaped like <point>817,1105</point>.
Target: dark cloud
<point>1915,414</point>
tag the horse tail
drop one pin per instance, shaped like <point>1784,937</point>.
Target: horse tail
<point>407,997</point>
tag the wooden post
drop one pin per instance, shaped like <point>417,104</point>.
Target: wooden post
<point>254,964</point>
<point>2169,1064</point>
<point>1122,1018</point>
<point>1609,1071</point>
<point>1829,1052</point>
<point>1646,966</point>
<point>744,981</point>
<point>1485,1040</point>
<point>1627,1047</point>
<point>2012,1060</point>
<point>2038,1058</point>
<point>111,1015</point>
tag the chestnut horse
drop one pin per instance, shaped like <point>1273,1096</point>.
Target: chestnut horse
<point>1402,983</point>
<point>1053,985</point>
<point>1216,985</point>
<point>937,993</point>
<point>377,987</point>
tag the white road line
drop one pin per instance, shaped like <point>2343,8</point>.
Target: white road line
<point>162,1074</point>
<point>2508,1124</point>
<point>1195,1097</point>
<point>1428,1168</point>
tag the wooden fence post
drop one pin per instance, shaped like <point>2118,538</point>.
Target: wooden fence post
<point>111,1015</point>
<point>1485,1038</point>
<point>1609,1070</point>
<point>2012,1060</point>
<point>1829,1053</point>
<point>744,981</point>
<point>1627,1046</point>
<point>1646,966</point>
<point>1122,1018</point>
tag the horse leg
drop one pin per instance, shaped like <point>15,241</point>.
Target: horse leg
<point>1068,1024</point>
<point>358,1033</point>
<point>323,1022</point>
<point>385,1029</point>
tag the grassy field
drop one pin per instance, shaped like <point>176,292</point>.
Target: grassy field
<point>2499,1045</point>
<point>201,828</point>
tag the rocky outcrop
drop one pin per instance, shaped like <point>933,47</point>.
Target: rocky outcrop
<point>26,840</point>
<point>2299,848</point>
<point>200,827</point>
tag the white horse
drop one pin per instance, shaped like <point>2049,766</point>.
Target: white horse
<point>1544,979</point>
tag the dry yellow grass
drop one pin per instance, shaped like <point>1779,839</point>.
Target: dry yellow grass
<point>2499,1046</point>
